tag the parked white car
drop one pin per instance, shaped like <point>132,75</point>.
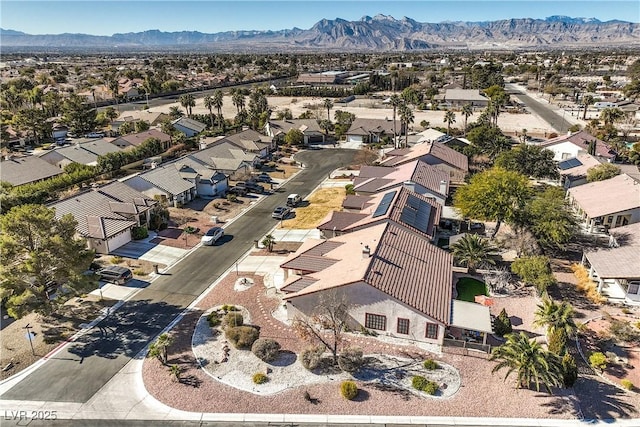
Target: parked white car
<point>212,236</point>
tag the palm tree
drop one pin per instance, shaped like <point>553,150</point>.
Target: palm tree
<point>449,119</point>
<point>587,100</point>
<point>175,112</point>
<point>238,100</point>
<point>114,87</point>
<point>328,104</point>
<point>395,102</point>
<point>530,362</point>
<point>406,118</point>
<point>473,251</point>
<point>208,104</point>
<point>188,101</point>
<point>159,347</point>
<point>467,111</point>
<point>217,103</point>
<point>611,115</point>
<point>555,316</point>
<point>268,242</point>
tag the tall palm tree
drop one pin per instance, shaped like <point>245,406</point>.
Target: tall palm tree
<point>555,316</point>
<point>530,362</point>
<point>208,104</point>
<point>217,103</point>
<point>188,101</point>
<point>406,118</point>
<point>395,102</point>
<point>611,115</point>
<point>114,87</point>
<point>328,104</point>
<point>473,251</point>
<point>467,111</point>
<point>449,119</point>
<point>268,242</point>
<point>587,100</point>
<point>238,100</point>
<point>175,112</point>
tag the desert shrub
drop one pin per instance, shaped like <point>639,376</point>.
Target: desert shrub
<point>569,371</point>
<point>310,357</point>
<point>242,336</point>
<point>138,233</point>
<point>116,259</point>
<point>585,285</point>
<point>598,360</point>
<point>430,364</point>
<point>213,318</point>
<point>348,390</point>
<point>627,384</point>
<point>232,197</point>
<point>421,383</point>
<point>350,360</point>
<point>557,342</point>
<point>502,324</point>
<point>625,310</point>
<point>227,308</point>
<point>266,349</point>
<point>260,378</point>
<point>232,319</point>
<point>139,272</point>
<point>623,331</point>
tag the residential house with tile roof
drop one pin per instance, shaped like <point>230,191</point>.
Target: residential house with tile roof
<point>136,139</point>
<point>607,204</point>
<point>106,215</point>
<point>436,154</point>
<point>165,182</point>
<point>419,176</point>
<point>400,206</point>
<point>228,158</point>
<point>85,153</point>
<point>394,281</point>
<point>154,118</point>
<point>462,97</point>
<point>189,127</point>
<point>309,127</point>
<point>252,142</point>
<point>573,171</point>
<point>370,131</point>
<point>570,145</point>
<point>616,269</point>
<point>20,170</point>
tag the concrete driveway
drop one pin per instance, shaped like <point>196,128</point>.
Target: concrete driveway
<point>152,252</point>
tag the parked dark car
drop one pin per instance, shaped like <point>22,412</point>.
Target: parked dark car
<point>251,186</point>
<point>238,191</point>
<point>263,177</point>
<point>115,274</point>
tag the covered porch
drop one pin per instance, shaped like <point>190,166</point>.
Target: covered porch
<point>470,325</point>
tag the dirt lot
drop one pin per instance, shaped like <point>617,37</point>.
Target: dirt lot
<point>319,204</point>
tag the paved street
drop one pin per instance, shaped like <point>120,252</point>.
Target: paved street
<point>552,114</point>
<point>78,371</point>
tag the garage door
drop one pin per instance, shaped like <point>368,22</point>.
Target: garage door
<point>121,239</point>
<point>354,138</point>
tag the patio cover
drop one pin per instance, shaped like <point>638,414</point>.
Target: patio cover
<point>471,316</point>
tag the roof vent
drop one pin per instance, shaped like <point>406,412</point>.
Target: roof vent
<point>366,251</point>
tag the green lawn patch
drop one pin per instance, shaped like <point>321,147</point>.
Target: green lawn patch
<point>468,288</point>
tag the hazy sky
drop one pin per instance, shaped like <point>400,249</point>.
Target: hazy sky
<point>101,17</point>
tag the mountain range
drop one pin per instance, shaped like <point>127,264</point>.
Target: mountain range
<point>378,33</point>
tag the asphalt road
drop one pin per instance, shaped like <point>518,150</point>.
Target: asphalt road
<point>557,122</point>
<point>77,372</point>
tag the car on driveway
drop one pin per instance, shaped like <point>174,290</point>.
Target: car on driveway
<point>212,235</point>
<point>115,274</point>
<point>281,212</point>
<point>251,186</point>
<point>238,191</point>
<point>263,177</point>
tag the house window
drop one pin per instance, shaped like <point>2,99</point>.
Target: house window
<point>432,331</point>
<point>375,321</point>
<point>633,288</point>
<point>403,326</point>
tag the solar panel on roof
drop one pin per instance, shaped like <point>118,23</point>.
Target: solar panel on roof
<point>569,163</point>
<point>384,204</point>
<point>416,213</point>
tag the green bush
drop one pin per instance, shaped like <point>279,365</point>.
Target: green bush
<point>266,349</point>
<point>213,318</point>
<point>598,360</point>
<point>350,360</point>
<point>232,319</point>
<point>557,341</point>
<point>116,259</point>
<point>421,383</point>
<point>242,336</point>
<point>569,371</point>
<point>139,272</point>
<point>627,384</point>
<point>430,364</point>
<point>138,233</point>
<point>260,378</point>
<point>310,357</point>
<point>502,324</point>
<point>227,308</point>
<point>348,390</point>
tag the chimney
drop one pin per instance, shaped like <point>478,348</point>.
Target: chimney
<point>410,185</point>
<point>443,188</point>
<point>366,252</point>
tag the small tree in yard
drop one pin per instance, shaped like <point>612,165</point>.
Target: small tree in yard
<point>557,342</point>
<point>268,242</point>
<point>536,271</point>
<point>569,371</point>
<point>160,347</point>
<point>502,324</point>
<point>326,324</point>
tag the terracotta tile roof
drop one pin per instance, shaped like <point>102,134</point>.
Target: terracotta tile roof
<point>136,139</point>
<point>298,284</point>
<point>309,263</point>
<point>425,150</point>
<point>372,126</point>
<point>323,248</point>
<point>341,220</point>
<point>581,139</point>
<point>376,179</point>
<point>600,198</point>
<point>356,202</point>
<point>431,178</point>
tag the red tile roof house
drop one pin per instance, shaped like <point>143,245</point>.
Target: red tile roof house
<point>106,215</point>
<point>436,154</point>
<point>395,282</point>
<point>608,204</point>
<point>136,139</point>
<point>616,270</point>
<point>400,206</point>
<point>418,176</point>
<point>570,145</point>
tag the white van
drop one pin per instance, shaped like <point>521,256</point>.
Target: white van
<point>293,200</point>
